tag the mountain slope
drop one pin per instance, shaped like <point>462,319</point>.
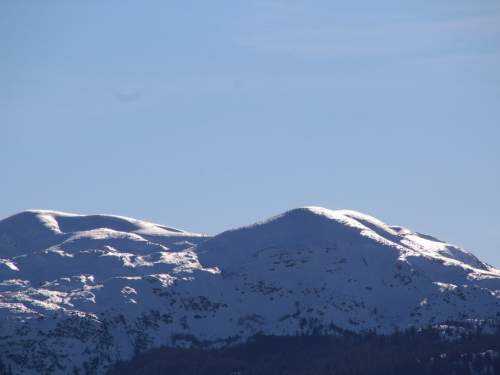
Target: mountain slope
<point>109,286</point>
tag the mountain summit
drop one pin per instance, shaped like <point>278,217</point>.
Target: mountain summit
<point>109,286</point>
<point>316,225</point>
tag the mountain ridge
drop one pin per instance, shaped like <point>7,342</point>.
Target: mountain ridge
<point>110,286</point>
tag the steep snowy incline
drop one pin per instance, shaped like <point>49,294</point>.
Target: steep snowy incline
<point>421,243</point>
<point>352,269</point>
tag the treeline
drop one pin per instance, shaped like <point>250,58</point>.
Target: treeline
<point>404,352</point>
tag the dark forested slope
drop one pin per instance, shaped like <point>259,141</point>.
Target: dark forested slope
<point>425,351</point>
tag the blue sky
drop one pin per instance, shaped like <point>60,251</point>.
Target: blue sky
<point>211,115</point>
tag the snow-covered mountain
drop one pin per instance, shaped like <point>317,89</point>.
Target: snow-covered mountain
<point>86,291</point>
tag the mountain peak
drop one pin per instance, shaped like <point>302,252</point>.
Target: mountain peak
<point>312,215</point>
<point>319,226</point>
<point>35,229</point>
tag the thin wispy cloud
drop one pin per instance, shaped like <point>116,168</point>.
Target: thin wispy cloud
<point>491,60</point>
<point>293,31</point>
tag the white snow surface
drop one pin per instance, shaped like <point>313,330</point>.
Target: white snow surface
<point>99,288</point>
